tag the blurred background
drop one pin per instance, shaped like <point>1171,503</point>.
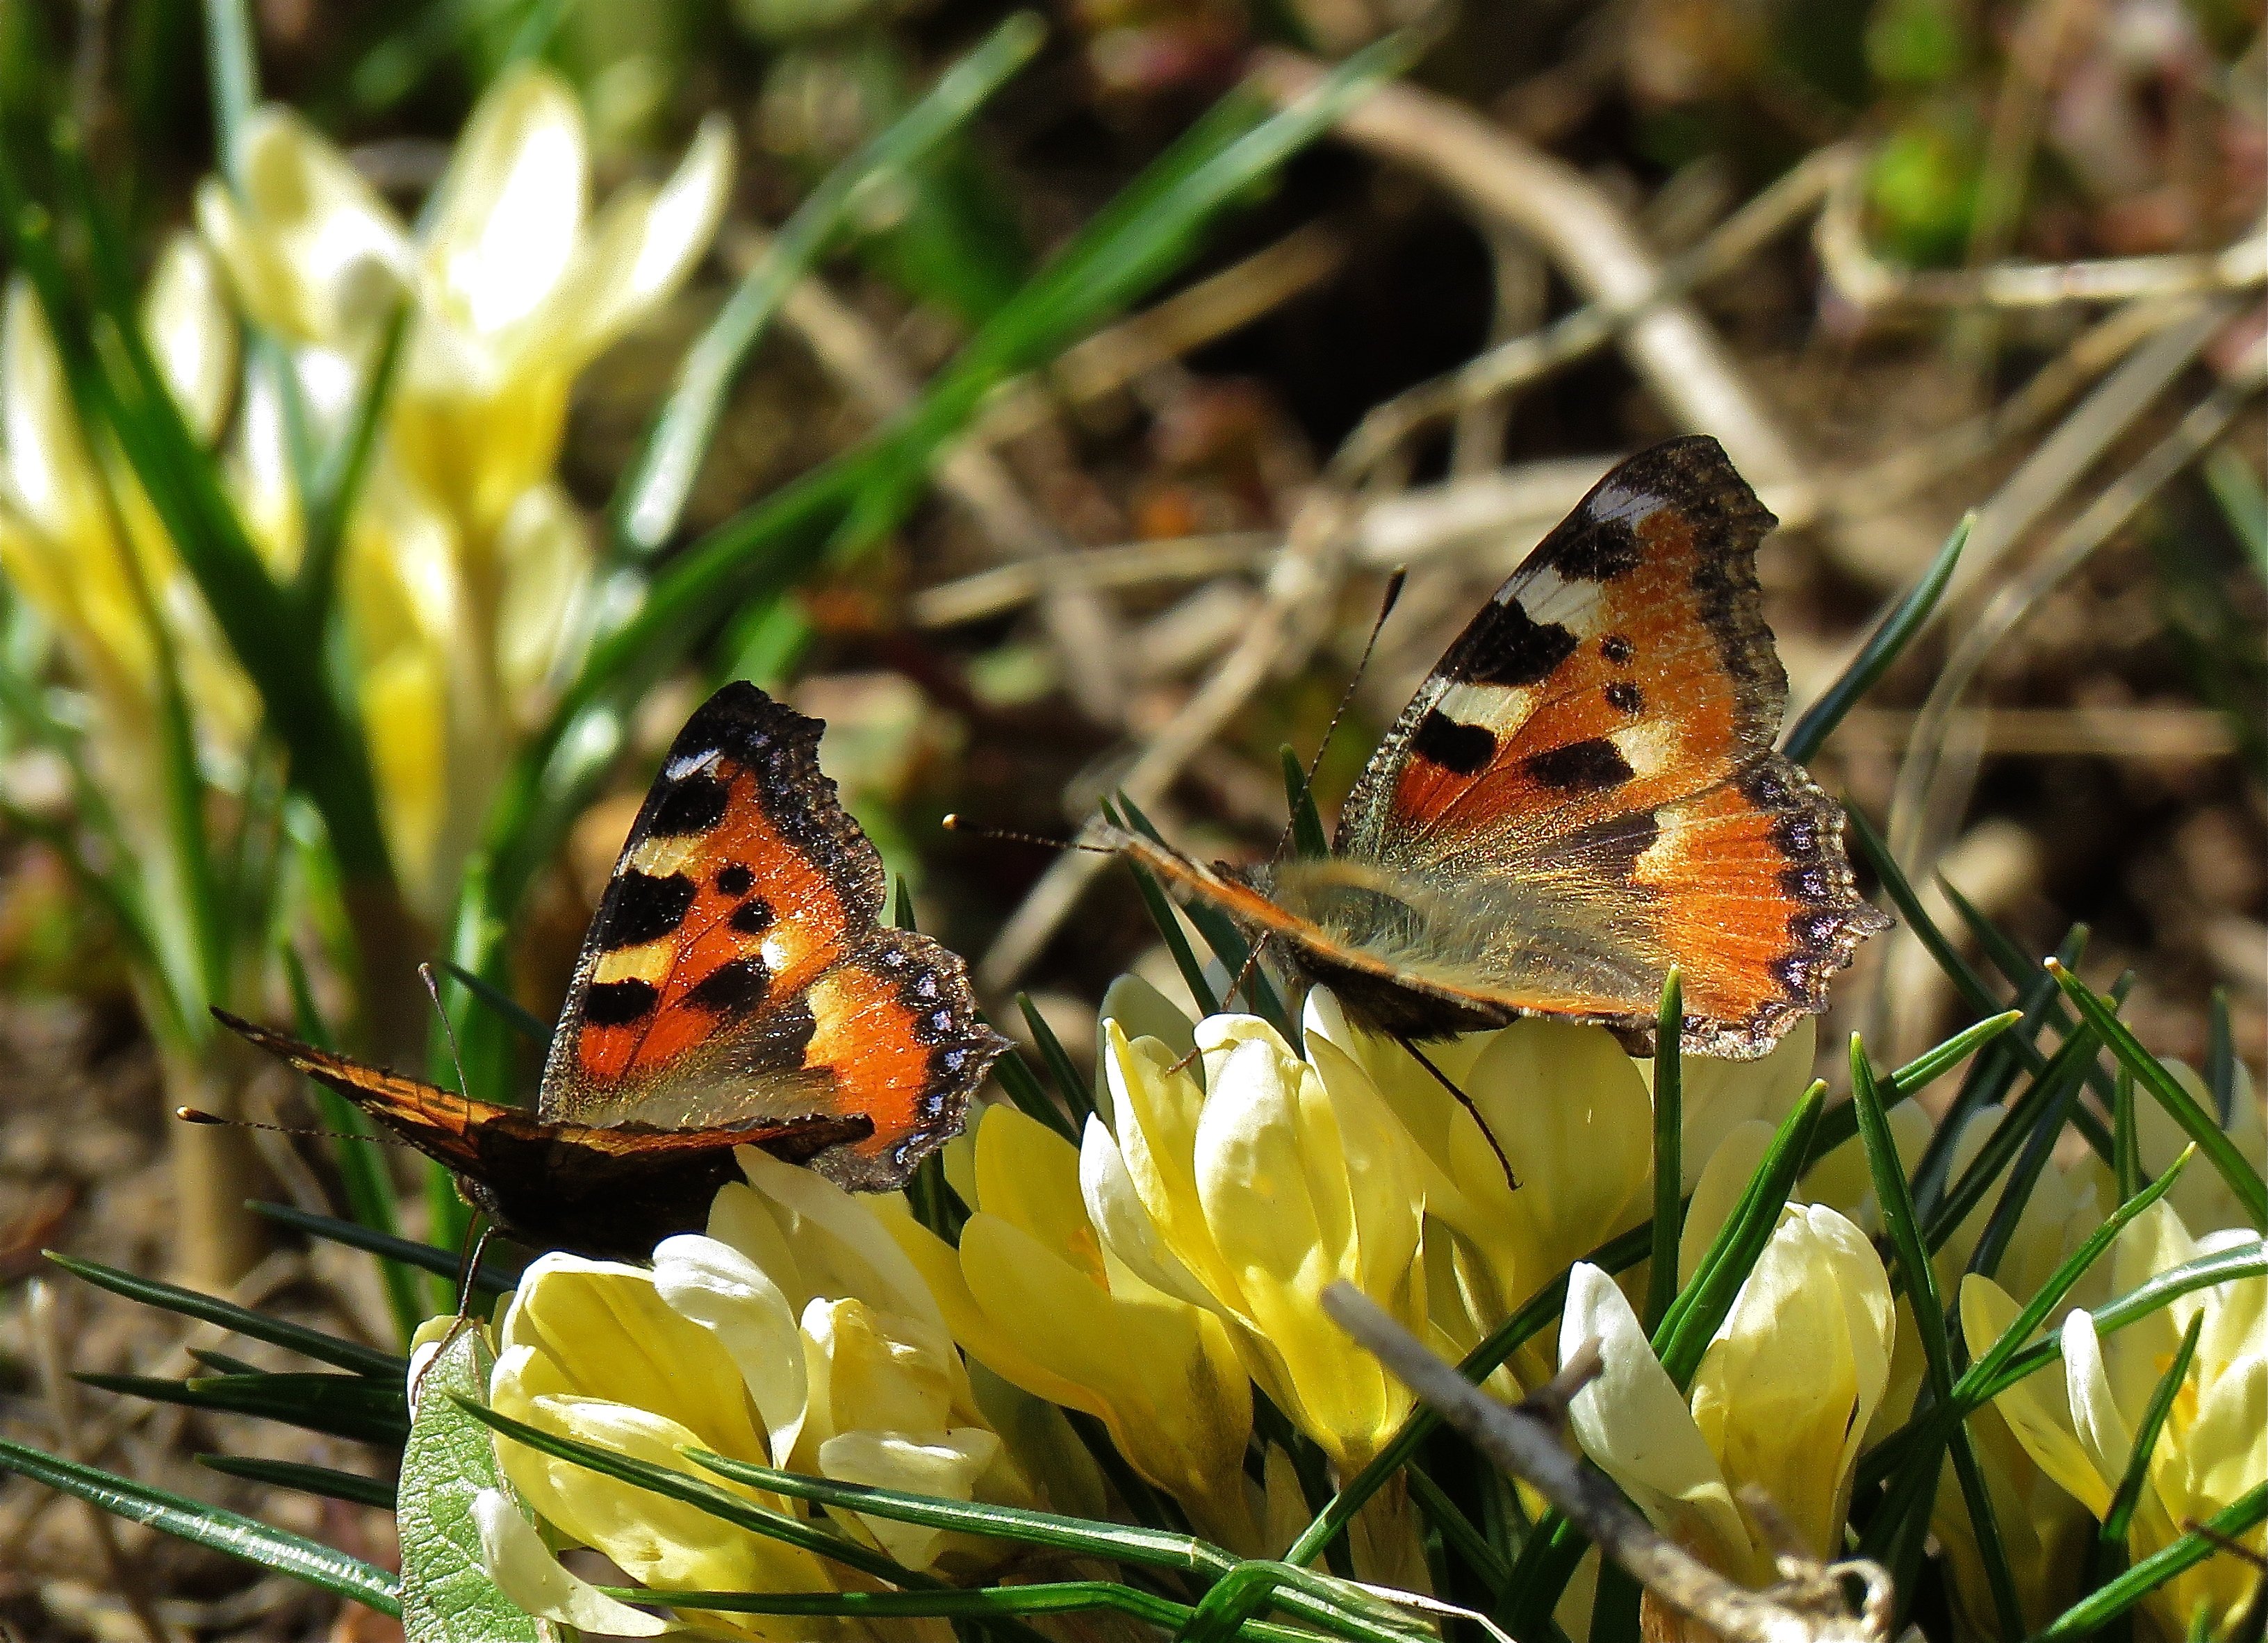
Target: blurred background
<point>407,412</point>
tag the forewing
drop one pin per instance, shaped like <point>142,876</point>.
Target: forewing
<point>736,968</point>
<point>1590,772</point>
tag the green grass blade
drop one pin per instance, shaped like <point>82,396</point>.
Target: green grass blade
<point>1308,836</point>
<point>1883,648</point>
<point>211,1526</point>
<point>1049,1597</point>
<point>1693,1318</point>
<point>335,484</point>
<point>353,1488</point>
<point>2242,503</point>
<point>2242,1178</point>
<point>1971,986</point>
<point>2121,1515</point>
<point>718,1503</point>
<point>652,493</point>
<point>1071,1087</point>
<point>369,1188</point>
<point>1668,1151</point>
<point>1840,1123</point>
<point>1152,1548</point>
<point>1023,1089</point>
<point>508,1009</point>
<point>1168,924</point>
<point>2220,1057</point>
<point>425,1256</point>
<point>330,1349</point>
<point>2241,1517</point>
<point>1458,1532</point>
<point>2031,1163</point>
<point>340,1405</point>
<point>234,68</point>
<point>2126,1139</point>
<point>1229,945</point>
<point>1897,1210</point>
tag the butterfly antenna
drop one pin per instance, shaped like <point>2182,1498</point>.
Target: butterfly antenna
<point>448,1031</point>
<point>198,1115</point>
<point>1392,597</point>
<point>956,823</point>
<point>1466,1102</point>
<point>468,1261</point>
<point>1308,781</point>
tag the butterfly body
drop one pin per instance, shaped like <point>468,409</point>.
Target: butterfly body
<point>1583,794</point>
<point>736,988</point>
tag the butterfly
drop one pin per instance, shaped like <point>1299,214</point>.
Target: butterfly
<point>1583,793</point>
<point>737,987</point>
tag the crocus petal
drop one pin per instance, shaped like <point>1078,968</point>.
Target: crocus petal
<point>2035,1408</point>
<point>1631,1419</point>
<point>514,1556</point>
<point>510,211</point>
<point>946,1466</point>
<point>715,1286</point>
<point>1114,1205</point>
<point>643,246</point>
<point>314,253</point>
<point>1027,1175</point>
<point>50,480</point>
<point>544,562</point>
<point>1716,1095</point>
<point>1141,1011</point>
<point>1155,1142</point>
<point>841,1248</point>
<point>191,333</point>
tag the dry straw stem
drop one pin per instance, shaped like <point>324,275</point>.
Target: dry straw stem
<point>1524,1440</point>
<point>1605,256</point>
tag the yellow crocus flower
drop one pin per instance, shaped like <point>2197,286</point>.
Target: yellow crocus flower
<point>465,565</point>
<point>1251,1191</point>
<point>2214,1446</point>
<point>795,1332</point>
<point>1035,1295</point>
<point>1780,1400</point>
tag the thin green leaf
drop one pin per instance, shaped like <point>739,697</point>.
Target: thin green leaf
<point>1169,930</point>
<point>334,484</point>
<point>1702,1306</point>
<point>717,1503</point>
<point>364,1360</point>
<point>2220,1057</point>
<point>1840,1123</point>
<point>342,1405</point>
<point>1153,1548</point>
<point>211,1526</point>
<point>2241,1517</point>
<point>1458,1532</point>
<point>652,493</point>
<point>902,904</point>
<point>2058,1079</point>
<point>425,1256</point>
<point>508,1009</point>
<point>235,72</point>
<point>447,1596</point>
<point>2031,1163</point>
<point>1883,648</point>
<point>2243,504</point>
<point>369,1188</point>
<point>1896,1203</point>
<point>355,1488</point>
<point>1971,986</point>
<point>2126,1141</point>
<point>1668,1151</point>
<point>2244,1180</point>
<point>1069,1084</point>
<point>1308,836</point>
<point>2121,1515</point>
<point>1025,1091</point>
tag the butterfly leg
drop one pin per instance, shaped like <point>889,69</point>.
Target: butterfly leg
<point>1464,1101</point>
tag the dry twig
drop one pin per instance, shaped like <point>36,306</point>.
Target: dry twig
<point>1524,1440</point>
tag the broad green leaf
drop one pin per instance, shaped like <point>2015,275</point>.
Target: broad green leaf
<point>446,1595</point>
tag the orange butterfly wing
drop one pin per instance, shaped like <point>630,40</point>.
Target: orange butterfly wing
<point>1584,793</point>
<point>737,969</point>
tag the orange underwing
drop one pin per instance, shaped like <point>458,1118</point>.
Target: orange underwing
<point>737,987</point>
<point>1583,793</point>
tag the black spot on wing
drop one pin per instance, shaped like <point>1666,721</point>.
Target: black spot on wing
<point>1615,845</point>
<point>692,804</point>
<point>734,879</point>
<point>1461,750</point>
<point>618,1003</point>
<point>641,907</point>
<point>1625,697</point>
<point>1592,549</point>
<point>1580,766</point>
<point>1618,650</point>
<point>737,985</point>
<point>753,916</point>
<point>1507,647</point>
